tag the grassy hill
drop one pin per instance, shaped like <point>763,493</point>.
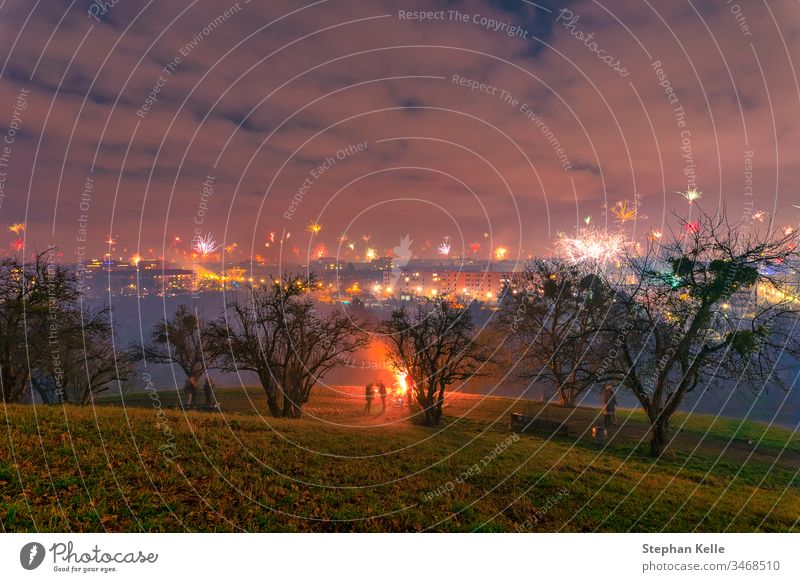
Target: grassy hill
<point>107,468</point>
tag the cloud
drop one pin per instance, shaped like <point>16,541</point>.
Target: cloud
<point>260,96</point>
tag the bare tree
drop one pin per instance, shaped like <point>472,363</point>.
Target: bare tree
<point>50,340</point>
<point>278,331</point>
<point>85,361</point>
<point>713,305</point>
<point>34,298</point>
<point>435,344</point>
<point>547,314</point>
<point>179,341</point>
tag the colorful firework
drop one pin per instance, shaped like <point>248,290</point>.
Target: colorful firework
<point>351,246</point>
<point>18,244</point>
<point>371,254</point>
<point>314,228</point>
<point>655,235</point>
<point>319,251</point>
<point>693,227</point>
<point>788,230</point>
<point>587,220</point>
<point>625,210</point>
<point>758,215</point>
<point>500,253</point>
<point>135,259</point>
<point>592,245</point>
<point>17,228</point>
<point>475,247</point>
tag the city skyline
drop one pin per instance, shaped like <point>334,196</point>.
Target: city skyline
<point>499,124</point>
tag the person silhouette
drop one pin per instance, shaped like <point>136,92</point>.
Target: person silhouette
<point>370,393</point>
<point>609,407</point>
<point>382,392</point>
<point>190,387</point>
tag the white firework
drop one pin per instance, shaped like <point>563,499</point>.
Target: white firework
<point>444,248</point>
<point>205,245</point>
<point>592,245</point>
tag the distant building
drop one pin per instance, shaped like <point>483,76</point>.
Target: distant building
<point>483,285</point>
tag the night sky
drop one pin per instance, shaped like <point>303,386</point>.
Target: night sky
<point>500,123</point>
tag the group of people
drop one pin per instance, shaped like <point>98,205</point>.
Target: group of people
<point>370,394</point>
<point>190,387</point>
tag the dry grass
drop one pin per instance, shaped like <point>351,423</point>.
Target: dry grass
<point>95,469</point>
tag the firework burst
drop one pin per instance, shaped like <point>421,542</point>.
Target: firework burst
<point>691,194</point>
<point>319,251</point>
<point>500,253</point>
<point>444,248</point>
<point>17,228</point>
<point>692,227</point>
<point>625,210</point>
<point>591,245</point>
<point>205,245</point>
<point>314,228</point>
<point>475,247</point>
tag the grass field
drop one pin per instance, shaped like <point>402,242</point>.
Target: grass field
<point>110,467</point>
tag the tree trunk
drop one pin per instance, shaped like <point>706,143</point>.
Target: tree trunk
<point>425,400</point>
<point>274,405</point>
<point>273,402</point>
<point>566,396</point>
<point>439,405</point>
<point>430,416</point>
<point>659,436</point>
<point>291,408</point>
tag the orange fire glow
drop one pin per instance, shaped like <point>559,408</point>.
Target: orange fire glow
<point>401,384</point>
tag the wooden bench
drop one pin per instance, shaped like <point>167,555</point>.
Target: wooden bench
<point>531,424</point>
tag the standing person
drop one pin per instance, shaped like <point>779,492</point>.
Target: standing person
<point>369,394</point>
<point>609,407</point>
<point>382,392</point>
<point>190,387</point>
<point>208,392</point>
